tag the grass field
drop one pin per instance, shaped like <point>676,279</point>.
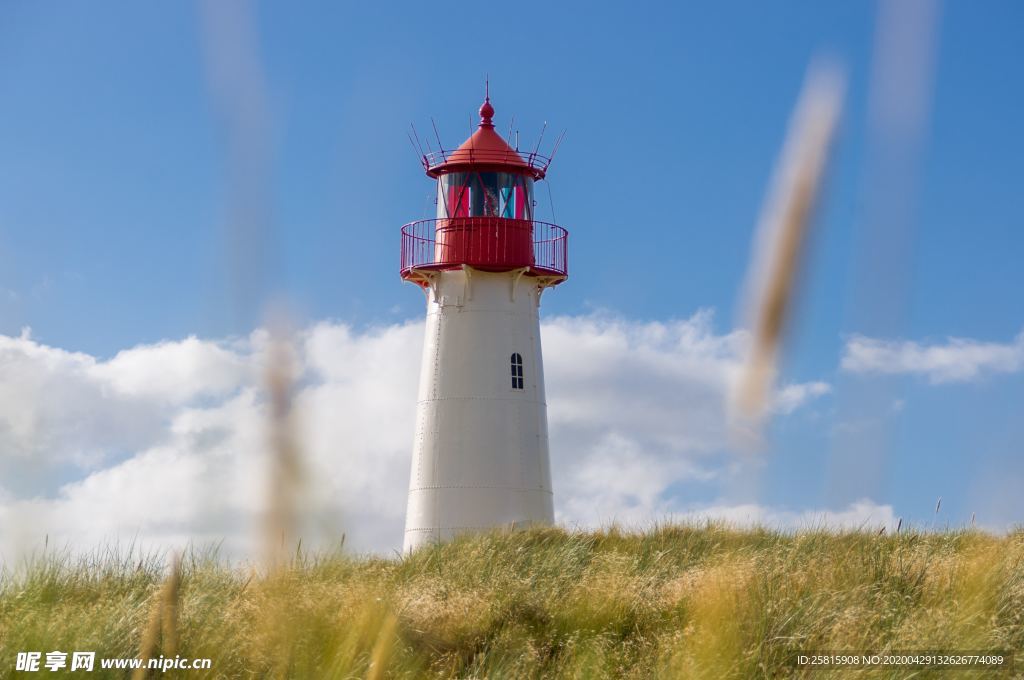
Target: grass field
<point>676,601</point>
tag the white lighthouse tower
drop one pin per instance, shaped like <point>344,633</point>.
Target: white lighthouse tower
<point>480,456</point>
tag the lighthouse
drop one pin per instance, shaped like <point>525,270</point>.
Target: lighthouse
<point>480,452</point>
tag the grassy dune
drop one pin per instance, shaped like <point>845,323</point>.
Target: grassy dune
<point>708,601</point>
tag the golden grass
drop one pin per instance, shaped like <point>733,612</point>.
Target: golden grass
<point>677,601</point>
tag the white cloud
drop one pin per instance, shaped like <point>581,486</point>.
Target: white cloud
<point>862,514</point>
<point>54,409</point>
<point>174,371</point>
<point>955,360</point>
<point>166,443</point>
<point>792,397</point>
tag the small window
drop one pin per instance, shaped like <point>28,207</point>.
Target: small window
<point>485,194</point>
<point>517,371</point>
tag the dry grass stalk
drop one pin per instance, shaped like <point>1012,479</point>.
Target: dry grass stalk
<point>782,232</point>
<point>149,639</point>
<point>381,653</point>
<point>162,625</point>
<point>285,490</point>
<point>171,597</point>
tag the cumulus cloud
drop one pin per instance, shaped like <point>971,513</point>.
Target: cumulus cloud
<point>862,514</point>
<point>167,443</point>
<point>57,408</point>
<point>955,360</point>
<point>174,372</point>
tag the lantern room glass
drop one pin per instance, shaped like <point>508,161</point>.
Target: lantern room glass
<point>485,194</point>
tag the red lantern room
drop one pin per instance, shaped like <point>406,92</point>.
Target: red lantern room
<point>485,212</point>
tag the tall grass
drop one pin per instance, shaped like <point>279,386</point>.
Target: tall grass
<point>676,601</point>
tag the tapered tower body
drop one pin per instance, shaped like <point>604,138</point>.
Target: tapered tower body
<point>480,454</point>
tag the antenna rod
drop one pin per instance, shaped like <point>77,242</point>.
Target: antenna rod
<point>539,139</point>
<point>426,141</point>
<point>551,203</point>
<point>413,126</point>
<point>437,134</point>
<point>558,143</point>
<point>421,158</point>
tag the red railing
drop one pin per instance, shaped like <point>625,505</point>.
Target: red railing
<point>488,243</point>
<point>537,162</point>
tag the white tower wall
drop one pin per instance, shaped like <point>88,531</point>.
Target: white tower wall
<point>480,456</point>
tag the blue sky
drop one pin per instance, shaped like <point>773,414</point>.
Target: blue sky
<point>120,174</point>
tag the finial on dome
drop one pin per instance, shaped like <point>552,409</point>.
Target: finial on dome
<point>486,110</point>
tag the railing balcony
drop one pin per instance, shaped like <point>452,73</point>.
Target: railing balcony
<point>537,162</point>
<point>486,243</point>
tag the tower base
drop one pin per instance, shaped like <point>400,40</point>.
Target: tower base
<point>480,456</point>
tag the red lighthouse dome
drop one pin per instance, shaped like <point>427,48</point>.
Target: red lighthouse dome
<point>484,212</point>
<point>485,149</point>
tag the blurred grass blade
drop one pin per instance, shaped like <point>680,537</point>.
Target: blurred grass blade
<point>780,237</point>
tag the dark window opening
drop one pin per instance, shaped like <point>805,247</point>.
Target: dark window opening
<point>485,194</point>
<point>517,371</point>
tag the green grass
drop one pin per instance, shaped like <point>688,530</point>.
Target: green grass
<point>676,601</point>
